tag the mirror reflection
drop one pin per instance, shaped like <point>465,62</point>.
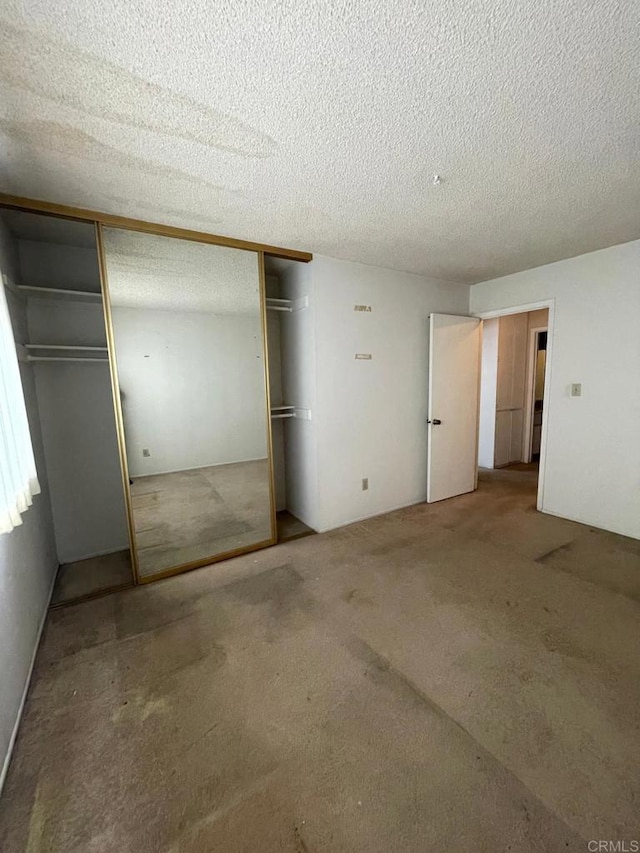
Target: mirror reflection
<point>189,347</point>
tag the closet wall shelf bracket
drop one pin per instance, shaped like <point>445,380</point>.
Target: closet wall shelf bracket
<point>281,412</point>
<point>287,305</point>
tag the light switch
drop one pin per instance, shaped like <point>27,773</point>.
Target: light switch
<point>576,389</point>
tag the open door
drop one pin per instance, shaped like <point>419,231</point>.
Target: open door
<point>454,387</point>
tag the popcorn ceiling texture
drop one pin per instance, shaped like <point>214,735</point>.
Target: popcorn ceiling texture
<point>318,124</point>
<point>143,270</point>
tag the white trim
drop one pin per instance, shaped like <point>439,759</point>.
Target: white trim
<point>375,514</point>
<point>14,733</point>
<point>516,309</point>
<point>546,409</point>
<point>529,411</point>
<point>197,467</point>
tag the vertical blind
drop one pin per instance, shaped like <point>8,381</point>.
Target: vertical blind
<point>18,477</point>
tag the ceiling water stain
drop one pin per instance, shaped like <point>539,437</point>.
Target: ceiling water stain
<point>76,144</point>
<point>160,210</point>
<point>66,75</point>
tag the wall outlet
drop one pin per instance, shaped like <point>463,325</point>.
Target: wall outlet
<point>576,389</point>
<point>365,484</point>
<point>146,451</point>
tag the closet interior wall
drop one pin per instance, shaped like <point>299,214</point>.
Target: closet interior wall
<point>291,360</point>
<point>63,346</point>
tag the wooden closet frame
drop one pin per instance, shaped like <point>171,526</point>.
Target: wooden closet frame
<point>110,220</point>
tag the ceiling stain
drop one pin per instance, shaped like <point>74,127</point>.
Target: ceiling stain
<point>74,143</point>
<point>159,210</point>
<point>63,73</point>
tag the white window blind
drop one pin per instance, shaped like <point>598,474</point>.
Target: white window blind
<point>18,477</point>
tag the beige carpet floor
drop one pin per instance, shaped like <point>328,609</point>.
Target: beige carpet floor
<point>290,527</point>
<point>185,516</point>
<point>86,577</point>
<point>457,677</point>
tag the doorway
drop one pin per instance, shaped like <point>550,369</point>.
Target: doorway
<point>534,401</point>
<point>515,369</point>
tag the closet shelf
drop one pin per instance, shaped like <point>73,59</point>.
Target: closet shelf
<point>59,293</point>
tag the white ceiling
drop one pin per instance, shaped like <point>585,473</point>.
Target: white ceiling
<point>318,124</point>
<point>164,274</point>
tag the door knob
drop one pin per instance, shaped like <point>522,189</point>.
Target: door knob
<point>434,422</point>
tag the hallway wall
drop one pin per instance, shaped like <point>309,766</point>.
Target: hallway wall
<point>592,460</point>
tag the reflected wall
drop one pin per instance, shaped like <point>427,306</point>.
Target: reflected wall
<point>187,326</point>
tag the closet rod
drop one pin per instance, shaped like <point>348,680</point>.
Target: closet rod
<point>71,359</point>
<point>65,347</point>
<point>283,415</point>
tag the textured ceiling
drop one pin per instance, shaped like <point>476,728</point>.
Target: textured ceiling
<point>319,124</point>
<point>164,274</point>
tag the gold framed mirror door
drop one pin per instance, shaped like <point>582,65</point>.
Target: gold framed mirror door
<point>186,327</point>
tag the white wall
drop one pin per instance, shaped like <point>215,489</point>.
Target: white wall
<point>193,388</point>
<point>371,415</point>
<point>54,265</point>
<point>592,460</point>
<point>488,394</point>
<point>28,561</point>
<point>83,464</point>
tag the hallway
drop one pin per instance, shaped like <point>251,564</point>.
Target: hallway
<point>457,676</point>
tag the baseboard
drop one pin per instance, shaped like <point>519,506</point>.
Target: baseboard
<point>14,733</point>
<point>584,523</point>
<point>371,515</point>
<point>124,547</point>
<point>196,467</point>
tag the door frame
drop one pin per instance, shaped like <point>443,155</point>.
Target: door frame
<point>527,435</point>
<point>547,408</point>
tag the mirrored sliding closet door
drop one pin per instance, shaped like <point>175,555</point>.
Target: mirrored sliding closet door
<point>188,335</point>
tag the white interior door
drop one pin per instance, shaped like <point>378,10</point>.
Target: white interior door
<point>454,387</point>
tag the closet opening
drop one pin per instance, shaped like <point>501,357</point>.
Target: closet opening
<point>288,320</point>
<point>512,393</point>
<point>51,277</point>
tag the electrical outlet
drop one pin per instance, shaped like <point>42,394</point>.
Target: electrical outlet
<point>365,484</point>
<point>146,451</point>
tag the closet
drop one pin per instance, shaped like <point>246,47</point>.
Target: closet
<point>143,358</point>
<point>290,343</point>
<point>59,327</point>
